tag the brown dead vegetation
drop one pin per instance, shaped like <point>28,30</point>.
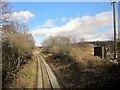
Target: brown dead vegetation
<point>79,69</point>
<point>17,43</point>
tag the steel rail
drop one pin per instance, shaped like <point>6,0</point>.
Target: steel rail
<point>45,77</point>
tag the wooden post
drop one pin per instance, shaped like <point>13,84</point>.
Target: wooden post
<point>114,19</point>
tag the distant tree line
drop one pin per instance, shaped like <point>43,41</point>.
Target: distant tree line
<point>17,43</point>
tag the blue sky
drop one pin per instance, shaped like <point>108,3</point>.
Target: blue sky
<point>76,19</point>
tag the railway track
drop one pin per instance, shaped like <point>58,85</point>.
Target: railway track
<point>45,76</point>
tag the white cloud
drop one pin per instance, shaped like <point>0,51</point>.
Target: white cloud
<point>49,23</point>
<point>86,26</point>
<point>64,20</point>
<point>22,15</point>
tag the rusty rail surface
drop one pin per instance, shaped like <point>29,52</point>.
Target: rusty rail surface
<point>45,76</point>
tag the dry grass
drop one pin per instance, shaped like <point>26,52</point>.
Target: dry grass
<point>82,69</point>
<point>84,58</point>
<point>77,55</point>
<point>86,47</point>
<point>76,74</point>
<point>26,77</point>
<point>78,68</point>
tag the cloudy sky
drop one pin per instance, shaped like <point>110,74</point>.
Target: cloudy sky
<point>89,20</point>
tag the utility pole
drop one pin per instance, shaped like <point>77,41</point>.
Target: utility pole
<point>114,20</point>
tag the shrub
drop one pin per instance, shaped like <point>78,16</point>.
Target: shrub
<point>16,50</point>
<point>17,43</point>
<point>62,48</point>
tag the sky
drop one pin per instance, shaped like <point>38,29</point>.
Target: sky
<point>90,20</point>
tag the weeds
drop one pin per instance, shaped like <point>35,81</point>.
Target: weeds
<point>80,69</point>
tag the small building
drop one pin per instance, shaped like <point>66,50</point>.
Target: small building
<point>102,52</point>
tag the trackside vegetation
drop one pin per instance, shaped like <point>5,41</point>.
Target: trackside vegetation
<point>17,43</point>
<point>76,67</point>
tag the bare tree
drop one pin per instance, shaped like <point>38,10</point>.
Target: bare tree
<point>17,43</point>
<point>82,39</point>
<point>16,50</point>
<point>59,46</point>
<point>55,41</point>
<point>5,13</point>
<point>5,20</point>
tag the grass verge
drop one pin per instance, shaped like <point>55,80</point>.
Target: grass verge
<point>26,77</point>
